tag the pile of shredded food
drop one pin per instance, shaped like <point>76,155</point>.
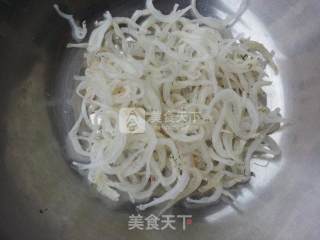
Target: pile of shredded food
<point>164,63</point>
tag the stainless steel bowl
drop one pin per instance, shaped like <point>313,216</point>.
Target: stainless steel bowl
<point>43,198</point>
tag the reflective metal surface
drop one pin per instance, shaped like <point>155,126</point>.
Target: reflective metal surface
<point>43,198</point>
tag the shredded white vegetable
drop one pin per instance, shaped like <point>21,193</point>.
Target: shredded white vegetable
<point>169,63</point>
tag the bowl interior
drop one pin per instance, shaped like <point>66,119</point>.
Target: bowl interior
<point>44,198</point>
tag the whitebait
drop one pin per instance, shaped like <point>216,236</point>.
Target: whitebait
<point>169,63</point>
<point>78,32</point>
